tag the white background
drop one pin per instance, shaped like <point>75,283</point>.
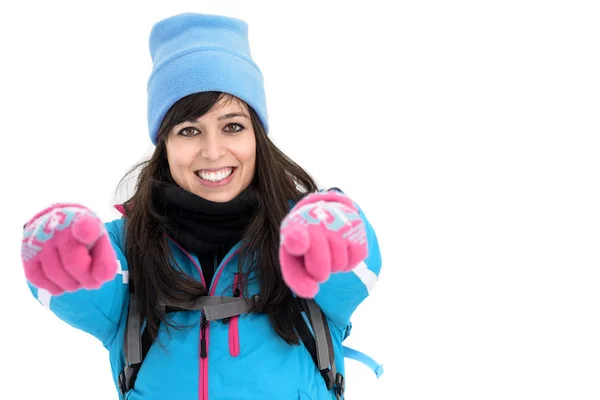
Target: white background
<point>467,131</point>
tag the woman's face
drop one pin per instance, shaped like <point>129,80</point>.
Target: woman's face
<point>214,157</point>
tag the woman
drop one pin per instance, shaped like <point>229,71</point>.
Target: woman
<point>217,248</point>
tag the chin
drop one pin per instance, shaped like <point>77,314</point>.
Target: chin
<point>217,197</point>
<point>220,199</point>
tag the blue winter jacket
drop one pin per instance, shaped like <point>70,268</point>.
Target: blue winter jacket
<point>246,359</point>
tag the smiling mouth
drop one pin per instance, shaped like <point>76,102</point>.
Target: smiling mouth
<point>215,175</point>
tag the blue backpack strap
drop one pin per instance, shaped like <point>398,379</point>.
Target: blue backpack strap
<point>363,358</point>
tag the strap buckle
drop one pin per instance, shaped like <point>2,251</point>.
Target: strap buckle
<point>329,377</point>
<point>127,377</point>
<point>340,386</point>
<point>336,383</point>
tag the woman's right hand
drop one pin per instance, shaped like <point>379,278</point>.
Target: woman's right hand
<point>65,248</point>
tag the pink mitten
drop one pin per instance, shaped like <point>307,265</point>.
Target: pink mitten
<point>322,234</point>
<point>65,247</point>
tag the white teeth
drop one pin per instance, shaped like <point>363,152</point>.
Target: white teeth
<point>215,176</point>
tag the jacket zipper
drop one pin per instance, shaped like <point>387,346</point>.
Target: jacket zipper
<point>203,378</point>
<point>205,324</point>
<point>204,327</point>
<point>234,335</point>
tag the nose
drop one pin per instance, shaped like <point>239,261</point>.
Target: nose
<point>212,148</point>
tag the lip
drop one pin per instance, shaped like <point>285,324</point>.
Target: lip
<point>214,169</point>
<point>221,183</point>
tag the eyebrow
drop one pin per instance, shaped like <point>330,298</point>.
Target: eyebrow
<point>232,115</point>
<point>225,116</point>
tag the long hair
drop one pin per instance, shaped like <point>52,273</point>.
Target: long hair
<point>276,181</point>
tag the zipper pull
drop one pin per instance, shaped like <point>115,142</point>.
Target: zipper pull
<point>203,323</point>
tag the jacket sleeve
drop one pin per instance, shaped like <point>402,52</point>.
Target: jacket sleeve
<point>343,292</point>
<point>96,311</point>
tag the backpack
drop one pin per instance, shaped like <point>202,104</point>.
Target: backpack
<point>310,323</point>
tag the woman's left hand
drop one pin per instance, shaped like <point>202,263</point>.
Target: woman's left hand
<point>322,234</point>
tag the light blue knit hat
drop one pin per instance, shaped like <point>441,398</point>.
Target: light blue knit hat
<point>194,53</point>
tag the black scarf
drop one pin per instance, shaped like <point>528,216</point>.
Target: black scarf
<point>204,227</point>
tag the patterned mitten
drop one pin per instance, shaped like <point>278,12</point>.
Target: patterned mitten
<point>66,247</point>
<point>322,234</point>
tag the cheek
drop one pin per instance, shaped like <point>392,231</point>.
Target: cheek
<point>248,156</point>
<point>179,158</point>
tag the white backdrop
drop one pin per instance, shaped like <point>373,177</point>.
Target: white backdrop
<point>467,131</point>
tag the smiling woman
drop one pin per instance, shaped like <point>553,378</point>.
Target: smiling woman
<point>230,274</point>
<point>212,155</point>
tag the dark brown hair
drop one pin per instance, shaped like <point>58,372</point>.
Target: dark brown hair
<point>277,180</point>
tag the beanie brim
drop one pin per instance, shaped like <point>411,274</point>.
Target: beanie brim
<point>203,71</point>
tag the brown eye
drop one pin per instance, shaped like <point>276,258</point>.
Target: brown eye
<point>233,128</point>
<point>189,131</point>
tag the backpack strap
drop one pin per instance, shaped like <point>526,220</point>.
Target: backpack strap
<point>137,343</point>
<point>363,358</point>
<point>214,307</point>
<point>317,340</point>
<point>132,346</point>
<point>319,344</point>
